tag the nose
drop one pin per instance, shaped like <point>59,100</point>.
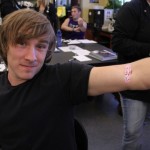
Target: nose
<point>31,54</point>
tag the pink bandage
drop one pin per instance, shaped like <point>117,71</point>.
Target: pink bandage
<point>128,72</point>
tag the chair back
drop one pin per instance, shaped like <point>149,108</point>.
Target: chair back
<point>81,136</point>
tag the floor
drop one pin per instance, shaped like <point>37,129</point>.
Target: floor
<point>104,125</point>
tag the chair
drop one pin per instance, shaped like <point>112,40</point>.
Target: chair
<point>81,136</point>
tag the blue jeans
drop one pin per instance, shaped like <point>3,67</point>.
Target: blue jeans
<point>134,113</point>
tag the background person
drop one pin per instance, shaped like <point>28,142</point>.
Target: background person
<point>48,9</point>
<point>8,6</point>
<point>37,99</point>
<point>74,27</point>
<point>131,41</point>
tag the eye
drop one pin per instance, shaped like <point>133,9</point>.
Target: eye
<point>21,43</point>
<point>42,47</point>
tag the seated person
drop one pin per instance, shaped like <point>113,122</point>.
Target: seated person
<point>74,25</point>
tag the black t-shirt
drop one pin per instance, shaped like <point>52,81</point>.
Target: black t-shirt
<point>38,114</point>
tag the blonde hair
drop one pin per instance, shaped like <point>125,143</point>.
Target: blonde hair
<point>44,2</point>
<point>25,24</point>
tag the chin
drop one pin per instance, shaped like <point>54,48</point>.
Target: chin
<point>28,76</point>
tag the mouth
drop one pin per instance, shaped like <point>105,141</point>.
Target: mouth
<point>29,67</point>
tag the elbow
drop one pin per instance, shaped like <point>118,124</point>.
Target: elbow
<point>145,86</point>
<point>61,27</point>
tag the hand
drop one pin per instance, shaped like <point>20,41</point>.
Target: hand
<point>80,22</point>
<point>77,29</point>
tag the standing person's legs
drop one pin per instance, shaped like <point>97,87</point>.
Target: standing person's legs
<point>134,112</point>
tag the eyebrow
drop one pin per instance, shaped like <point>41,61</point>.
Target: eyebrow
<point>44,41</point>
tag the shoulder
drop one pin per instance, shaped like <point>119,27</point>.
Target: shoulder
<point>134,5</point>
<point>67,20</point>
<point>63,74</point>
<point>68,68</point>
<point>132,9</point>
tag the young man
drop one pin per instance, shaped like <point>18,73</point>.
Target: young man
<point>74,26</point>
<point>36,100</point>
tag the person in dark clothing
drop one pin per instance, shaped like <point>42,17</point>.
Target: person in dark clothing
<point>74,27</point>
<point>48,9</point>
<point>37,99</point>
<point>8,6</point>
<point>131,41</point>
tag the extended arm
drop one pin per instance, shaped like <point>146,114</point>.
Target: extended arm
<point>112,78</point>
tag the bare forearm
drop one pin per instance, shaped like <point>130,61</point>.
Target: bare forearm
<point>113,78</point>
<point>140,78</point>
<point>83,27</point>
<point>66,28</point>
<point>106,79</point>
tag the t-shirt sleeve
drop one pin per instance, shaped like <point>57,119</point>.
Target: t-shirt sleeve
<point>74,79</point>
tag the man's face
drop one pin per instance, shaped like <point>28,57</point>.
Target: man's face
<point>25,59</point>
<point>75,13</point>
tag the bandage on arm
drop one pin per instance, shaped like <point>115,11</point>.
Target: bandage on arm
<point>127,73</point>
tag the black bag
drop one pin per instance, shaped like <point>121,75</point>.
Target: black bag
<point>8,6</point>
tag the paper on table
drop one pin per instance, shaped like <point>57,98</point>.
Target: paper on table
<point>81,41</point>
<point>65,49</point>
<point>74,42</point>
<point>75,49</point>
<point>81,52</point>
<point>82,58</point>
<point>56,50</point>
<point>86,41</point>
